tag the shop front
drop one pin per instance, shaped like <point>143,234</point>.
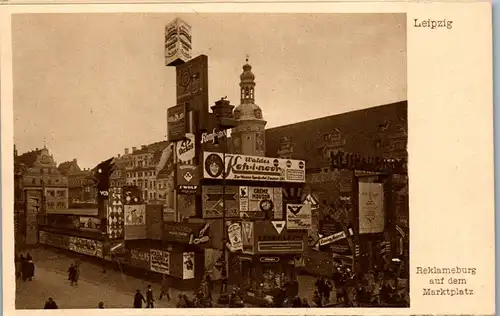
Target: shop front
<point>267,260</point>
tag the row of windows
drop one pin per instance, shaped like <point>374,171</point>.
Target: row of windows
<point>39,181</point>
<point>141,174</point>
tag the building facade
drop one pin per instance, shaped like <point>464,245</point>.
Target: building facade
<point>141,170</point>
<point>81,187</point>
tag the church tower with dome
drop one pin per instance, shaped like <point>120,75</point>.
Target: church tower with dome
<point>248,137</point>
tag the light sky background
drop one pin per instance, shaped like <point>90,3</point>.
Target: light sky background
<point>92,85</point>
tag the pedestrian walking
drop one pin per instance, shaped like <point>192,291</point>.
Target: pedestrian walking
<point>100,305</point>
<point>149,297</point>
<point>30,270</point>
<point>72,273</point>
<point>209,285</point>
<point>18,267</point>
<point>138,299</point>
<point>305,303</point>
<point>24,269</point>
<point>181,303</point>
<point>165,288</point>
<point>50,304</point>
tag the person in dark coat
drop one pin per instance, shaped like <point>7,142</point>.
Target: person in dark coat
<point>297,302</point>
<point>165,288</point>
<point>72,274</point>
<point>149,298</point>
<point>138,299</point>
<point>50,304</point>
<point>210,286</point>
<point>305,303</point>
<point>100,305</point>
<point>181,303</point>
<point>28,257</point>
<point>23,267</point>
<point>318,301</point>
<point>18,267</point>
<point>30,270</point>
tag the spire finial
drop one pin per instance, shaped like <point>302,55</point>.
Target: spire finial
<point>45,142</point>
<point>247,57</point>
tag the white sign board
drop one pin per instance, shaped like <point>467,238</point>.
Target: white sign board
<point>254,168</point>
<point>234,233</point>
<point>298,216</point>
<point>371,208</point>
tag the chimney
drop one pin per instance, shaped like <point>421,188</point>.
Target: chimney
<point>126,151</point>
<point>143,147</point>
<point>134,149</point>
<point>36,149</point>
<point>118,155</point>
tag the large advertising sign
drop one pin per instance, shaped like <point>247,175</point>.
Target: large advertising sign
<point>176,122</point>
<point>273,239</point>
<point>298,216</point>
<point>160,261</point>
<point>140,258</point>
<point>188,265</point>
<point>234,234</point>
<point>33,208</point>
<point>54,240</point>
<point>115,214</point>
<point>254,168</point>
<point>188,178</point>
<point>135,221</point>
<point>192,87</point>
<point>154,221</point>
<point>186,148</point>
<point>255,202</point>
<point>213,139</point>
<point>371,208</point>
<point>247,237</point>
<point>86,246</point>
<point>89,223</point>
<point>177,42</point>
<point>187,233</point>
<point>213,201</point>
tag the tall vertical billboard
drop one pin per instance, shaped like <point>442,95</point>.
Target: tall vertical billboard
<point>177,42</point>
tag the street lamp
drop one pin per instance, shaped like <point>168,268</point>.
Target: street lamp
<point>223,110</point>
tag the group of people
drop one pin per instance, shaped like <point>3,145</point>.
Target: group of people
<point>374,288</point>
<point>25,267</point>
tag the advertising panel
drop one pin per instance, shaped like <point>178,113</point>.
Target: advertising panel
<point>273,240</point>
<point>54,240</point>
<point>188,265</point>
<point>140,258</point>
<point>33,208</point>
<point>213,139</point>
<point>160,261</point>
<point>86,246</point>
<point>154,221</point>
<point>89,223</point>
<point>371,208</point>
<point>186,206</point>
<point>176,122</point>
<point>247,237</point>
<point>298,216</point>
<point>188,178</point>
<point>234,234</point>
<point>212,201</point>
<point>186,148</point>
<point>177,42</point>
<point>192,87</point>
<point>242,167</point>
<point>187,233</point>
<point>115,214</point>
<point>255,202</point>
<point>135,221</point>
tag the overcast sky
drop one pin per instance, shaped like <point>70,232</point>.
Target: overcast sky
<point>94,84</point>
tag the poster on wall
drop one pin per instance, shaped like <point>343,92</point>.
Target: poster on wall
<point>33,208</point>
<point>243,167</point>
<point>188,265</point>
<point>185,148</point>
<point>140,258</point>
<point>86,246</point>
<point>176,122</point>
<point>212,201</point>
<point>115,214</point>
<point>186,206</point>
<point>89,223</point>
<point>234,234</point>
<point>160,261</point>
<point>261,200</point>
<point>135,221</point>
<point>247,237</point>
<point>371,208</point>
<point>298,216</point>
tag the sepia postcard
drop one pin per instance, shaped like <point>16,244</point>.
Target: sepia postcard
<point>247,159</point>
